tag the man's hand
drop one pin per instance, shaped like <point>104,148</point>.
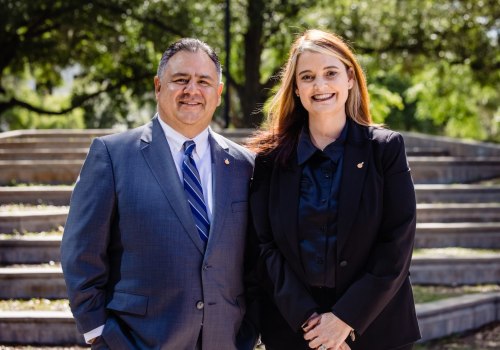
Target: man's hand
<point>327,331</point>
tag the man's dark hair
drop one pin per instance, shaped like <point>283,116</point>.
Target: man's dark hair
<point>190,45</point>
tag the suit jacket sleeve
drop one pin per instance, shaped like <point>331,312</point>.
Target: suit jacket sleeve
<point>388,263</point>
<point>289,293</point>
<point>86,237</point>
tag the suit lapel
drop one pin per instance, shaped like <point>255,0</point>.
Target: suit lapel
<point>154,147</point>
<point>356,157</point>
<point>222,165</point>
<point>288,200</point>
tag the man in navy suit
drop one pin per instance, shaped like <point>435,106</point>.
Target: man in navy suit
<point>142,272</point>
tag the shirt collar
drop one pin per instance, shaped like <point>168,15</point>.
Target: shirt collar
<point>306,149</point>
<point>176,140</point>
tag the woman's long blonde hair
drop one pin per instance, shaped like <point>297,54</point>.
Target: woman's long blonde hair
<point>286,116</point>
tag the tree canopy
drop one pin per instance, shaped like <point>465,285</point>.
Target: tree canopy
<point>432,66</point>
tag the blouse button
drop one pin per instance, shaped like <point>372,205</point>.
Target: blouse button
<point>343,263</point>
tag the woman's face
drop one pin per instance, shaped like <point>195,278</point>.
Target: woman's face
<point>323,84</point>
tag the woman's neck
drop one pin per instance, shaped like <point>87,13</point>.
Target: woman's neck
<point>325,130</point>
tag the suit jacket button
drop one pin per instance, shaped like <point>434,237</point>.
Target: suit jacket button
<point>200,305</point>
<point>343,263</point>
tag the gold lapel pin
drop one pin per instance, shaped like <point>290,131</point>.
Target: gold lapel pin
<point>226,161</point>
<point>360,165</point>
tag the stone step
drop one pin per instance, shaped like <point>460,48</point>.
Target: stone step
<point>43,154</point>
<point>457,193</point>
<point>33,220</point>
<point>60,195</point>
<point>425,170</point>
<point>427,152</point>
<point>458,212</point>
<point>467,235</point>
<point>56,133</point>
<point>30,250</point>
<point>449,170</point>
<point>44,143</point>
<point>436,320</point>
<point>446,317</point>
<point>26,282</point>
<point>38,327</point>
<point>53,195</point>
<point>453,270</point>
<point>22,153</point>
<point>35,249</point>
<point>39,171</point>
<point>456,147</point>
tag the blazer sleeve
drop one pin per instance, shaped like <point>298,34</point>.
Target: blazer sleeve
<point>86,237</point>
<point>388,263</point>
<point>279,279</point>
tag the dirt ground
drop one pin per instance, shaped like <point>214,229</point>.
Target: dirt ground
<point>486,338</point>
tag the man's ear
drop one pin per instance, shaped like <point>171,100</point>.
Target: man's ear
<point>219,93</point>
<point>157,85</point>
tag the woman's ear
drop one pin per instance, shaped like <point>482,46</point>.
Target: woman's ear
<point>350,77</point>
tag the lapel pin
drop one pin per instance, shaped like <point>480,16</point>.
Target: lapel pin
<point>226,161</point>
<point>360,165</point>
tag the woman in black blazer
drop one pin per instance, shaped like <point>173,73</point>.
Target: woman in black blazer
<point>333,211</point>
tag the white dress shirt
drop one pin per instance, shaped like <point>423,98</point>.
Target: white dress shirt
<point>203,159</point>
<point>201,155</point>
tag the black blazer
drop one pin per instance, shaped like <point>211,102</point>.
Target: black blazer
<point>376,229</point>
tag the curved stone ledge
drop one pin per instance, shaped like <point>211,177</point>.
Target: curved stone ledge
<point>32,282</point>
<point>30,250</point>
<point>436,320</point>
<point>454,315</point>
<point>39,171</point>
<point>458,212</point>
<point>32,221</point>
<point>466,235</point>
<point>39,328</point>
<point>53,195</point>
<point>457,193</point>
<point>456,271</point>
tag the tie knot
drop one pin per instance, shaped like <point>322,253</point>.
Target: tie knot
<point>189,146</point>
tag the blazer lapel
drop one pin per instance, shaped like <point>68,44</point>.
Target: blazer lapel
<point>287,199</point>
<point>356,157</point>
<point>222,163</point>
<point>156,151</point>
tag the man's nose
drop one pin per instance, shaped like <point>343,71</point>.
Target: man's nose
<point>190,87</point>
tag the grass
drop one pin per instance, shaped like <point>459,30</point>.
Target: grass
<point>34,304</point>
<point>456,252</point>
<point>7,208</point>
<point>14,183</point>
<point>26,234</point>
<point>425,294</point>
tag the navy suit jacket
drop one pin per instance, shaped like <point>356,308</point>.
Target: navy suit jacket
<point>131,255</point>
<point>376,228</point>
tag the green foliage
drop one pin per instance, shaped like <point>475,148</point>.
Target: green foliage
<point>432,66</point>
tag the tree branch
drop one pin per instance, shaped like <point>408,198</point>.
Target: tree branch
<point>77,101</point>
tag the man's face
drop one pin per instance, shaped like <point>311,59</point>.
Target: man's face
<point>188,92</point>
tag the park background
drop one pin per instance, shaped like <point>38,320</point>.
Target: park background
<point>432,68</point>
<point>432,65</point>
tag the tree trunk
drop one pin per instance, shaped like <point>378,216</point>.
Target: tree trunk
<point>251,94</point>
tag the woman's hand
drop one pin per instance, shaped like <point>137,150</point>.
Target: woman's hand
<point>327,331</point>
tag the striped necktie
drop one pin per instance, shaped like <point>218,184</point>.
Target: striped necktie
<point>194,191</point>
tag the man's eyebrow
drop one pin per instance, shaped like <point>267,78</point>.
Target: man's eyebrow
<point>200,76</point>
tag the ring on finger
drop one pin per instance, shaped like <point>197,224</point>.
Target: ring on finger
<point>322,347</point>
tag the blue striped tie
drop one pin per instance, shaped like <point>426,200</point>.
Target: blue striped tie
<point>194,191</point>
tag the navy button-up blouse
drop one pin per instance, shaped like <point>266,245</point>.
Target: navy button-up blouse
<point>318,204</point>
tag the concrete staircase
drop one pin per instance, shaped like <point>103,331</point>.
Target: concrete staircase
<point>453,211</point>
